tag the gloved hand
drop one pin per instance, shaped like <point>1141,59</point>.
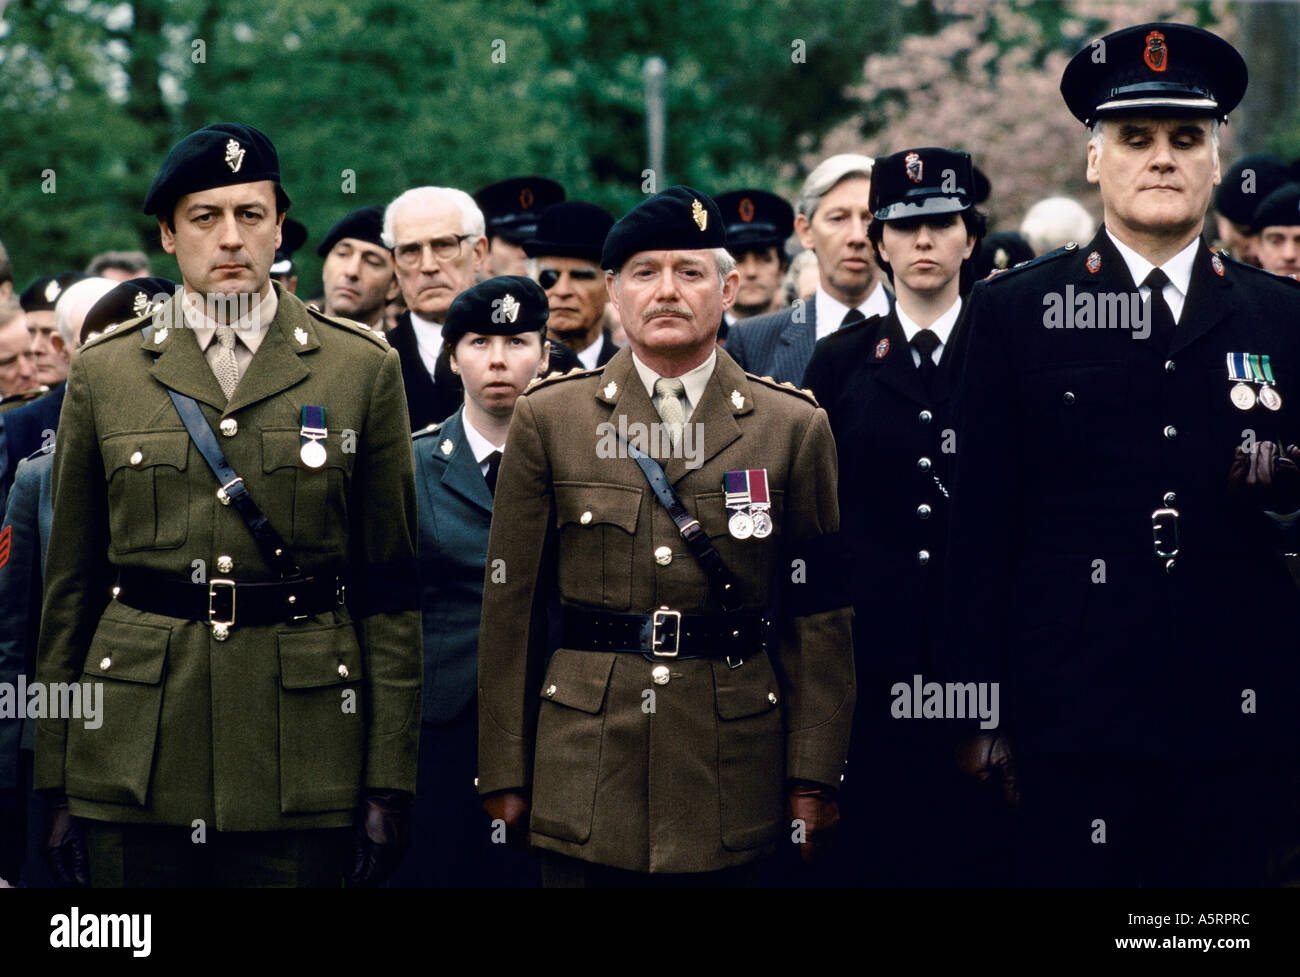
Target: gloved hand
<point>383,833</point>
<point>65,846</point>
<point>987,758</point>
<point>510,806</point>
<point>1267,477</point>
<point>817,808</point>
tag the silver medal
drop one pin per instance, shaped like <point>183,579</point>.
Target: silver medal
<point>312,453</point>
<point>1270,398</point>
<point>1242,396</point>
<point>762,524</point>
<point>740,525</point>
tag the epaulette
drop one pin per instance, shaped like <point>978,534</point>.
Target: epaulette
<point>785,386</point>
<point>360,328</point>
<point>427,431</point>
<point>131,327</point>
<point>575,374</point>
<point>1000,274</point>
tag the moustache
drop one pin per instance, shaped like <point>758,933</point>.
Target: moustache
<point>667,310</point>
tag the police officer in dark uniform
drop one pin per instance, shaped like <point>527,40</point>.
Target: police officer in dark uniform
<point>886,384</point>
<point>511,209</point>
<point>1125,477</point>
<point>758,224</point>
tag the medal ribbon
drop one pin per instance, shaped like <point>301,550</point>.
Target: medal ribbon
<point>313,423</point>
<point>758,488</point>
<point>736,485</point>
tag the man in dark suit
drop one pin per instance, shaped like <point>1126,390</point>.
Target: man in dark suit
<point>885,384</point>
<point>566,252</point>
<point>456,465</point>
<point>437,238</point>
<point>833,213</point>
<point>1121,498</point>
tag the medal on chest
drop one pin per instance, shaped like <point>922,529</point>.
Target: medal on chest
<point>747,497</point>
<point>1246,372</point>
<point>311,436</point>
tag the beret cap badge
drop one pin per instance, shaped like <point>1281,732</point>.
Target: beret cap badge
<point>700,215</point>
<point>234,155</point>
<point>140,304</point>
<point>510,308</point>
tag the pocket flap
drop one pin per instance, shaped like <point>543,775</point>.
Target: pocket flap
<point>578,679</point>
<point>745,691</point>
<point>146,449</point>
<point>588,505</point>
<point>128,652</point>
<point>310,658</point>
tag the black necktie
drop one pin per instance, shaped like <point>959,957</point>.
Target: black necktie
<point>1162,320</point>
<point>494,466</point>
<point>850,317</point>
<point>926,342</point>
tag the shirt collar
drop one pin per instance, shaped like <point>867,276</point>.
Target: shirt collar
<point>589,354</point>
<point>250,329</point>
<point>426,326</point>
<point>695,381</point>
<point>831,311</point>
<point>478,444</point>
<point>1178,268</point>
<point>941,327</point>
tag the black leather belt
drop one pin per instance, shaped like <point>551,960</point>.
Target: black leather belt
<point>225,603</point>
<point>666,633</point>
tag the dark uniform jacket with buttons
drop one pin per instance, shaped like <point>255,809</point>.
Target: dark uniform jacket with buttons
<point>1069,439</point>
<point>281,725</point>
<point>429,399</point>
<point>455,509</point>
<point>688,775</point>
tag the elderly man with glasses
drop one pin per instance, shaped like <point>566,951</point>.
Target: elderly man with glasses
<point>437,238</point>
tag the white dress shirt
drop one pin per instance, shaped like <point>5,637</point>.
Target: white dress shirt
<point>941,327</point>
<point>830,312</point>
<point>428,340</point>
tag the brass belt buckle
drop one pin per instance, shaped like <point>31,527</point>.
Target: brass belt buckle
<point>220,629</point>
<point>1164,532</point>
<point>671,621</point>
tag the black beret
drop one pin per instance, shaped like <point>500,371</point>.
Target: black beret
<point>363,224</point>
<point>1281,208</point>
<point>43,294</point>
<point>1000,251</point>
<point>127,300</point>
<point>570,229</point>
<point>920,182</point>
<point>679,219</point>
<point>1247,182</point>
<point>503,306</point>
<point>221,155</point>
<point>1161,67</point>
<point>293,235</point>
<point>511,208</point>
<point>755,219</point>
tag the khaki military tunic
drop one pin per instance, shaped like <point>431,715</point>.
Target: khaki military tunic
<point>279,726</point>
<point>690,774</point>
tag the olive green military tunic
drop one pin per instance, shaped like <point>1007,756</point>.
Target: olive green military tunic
<point>281,725</point>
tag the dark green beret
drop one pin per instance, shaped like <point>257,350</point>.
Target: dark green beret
<point>221,155</point>
<point>1281,208</point>
<point>679,219</point>
<point>363,224</point>
<point>128,300</point>
<point>43,294</point>
<point>502,306</point>
<point>1247,182</point>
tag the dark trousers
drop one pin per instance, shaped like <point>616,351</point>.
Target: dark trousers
<point>163,857</point>
<point>563,872</point>
<point>452,839</point>
<point>1204,821</point>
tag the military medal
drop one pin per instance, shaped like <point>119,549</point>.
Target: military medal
<point>736,485</point>
<point>759,503</point>
<point>313,432</point>
<point>1243,398</point>
<point>1245,369</point>
<point>1270,398</point>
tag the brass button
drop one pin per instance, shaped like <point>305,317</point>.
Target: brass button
<point>925,417</point>
<point>105,664</point>
<point>343,670</point>
<point>923,464</point>
<point>229,427</point>
<point>550,691</point>
<point>1067,398</point>
<point>923,511</point>
<point>585,518</point>
<point>923,557</point>
<point>771,697</point>
<point>220,631</point>
<point>137,457</point>
<point>664,556</point>
<point>1171,432</point>
<point>1169,366</point>
<point>225,564</point>
<point>660,675</point>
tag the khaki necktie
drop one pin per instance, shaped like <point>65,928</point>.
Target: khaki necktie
<point>225,365</point>
<point>669,390</point>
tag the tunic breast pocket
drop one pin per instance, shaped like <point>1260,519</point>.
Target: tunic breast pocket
<point>597,525</point>
<point>1076,413</point>
<point>308,506</point>
<point>148,490</point>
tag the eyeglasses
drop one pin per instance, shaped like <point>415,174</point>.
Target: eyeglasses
<point>444,249</point>
<point>549,276</point>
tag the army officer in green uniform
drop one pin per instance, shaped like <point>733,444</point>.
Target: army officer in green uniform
<point>261,690</point>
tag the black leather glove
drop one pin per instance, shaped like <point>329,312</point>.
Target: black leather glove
<point>987,758</point>
<point>1267,477</point>
<point>383,833</point>
<point>819,811</point>
<point>65,846</point>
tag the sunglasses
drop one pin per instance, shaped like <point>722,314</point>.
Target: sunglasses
<point>549,276</point>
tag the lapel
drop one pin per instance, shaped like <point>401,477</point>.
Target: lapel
<point>1207,303</point>
<point>795,343</point>
<point>896,368</point>
<point>179,363</point>
<point>461,474</point>
<point>419,384</point>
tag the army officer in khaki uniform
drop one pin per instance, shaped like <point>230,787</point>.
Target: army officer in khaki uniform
<point>256,705</point>
<point>690,716</point>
